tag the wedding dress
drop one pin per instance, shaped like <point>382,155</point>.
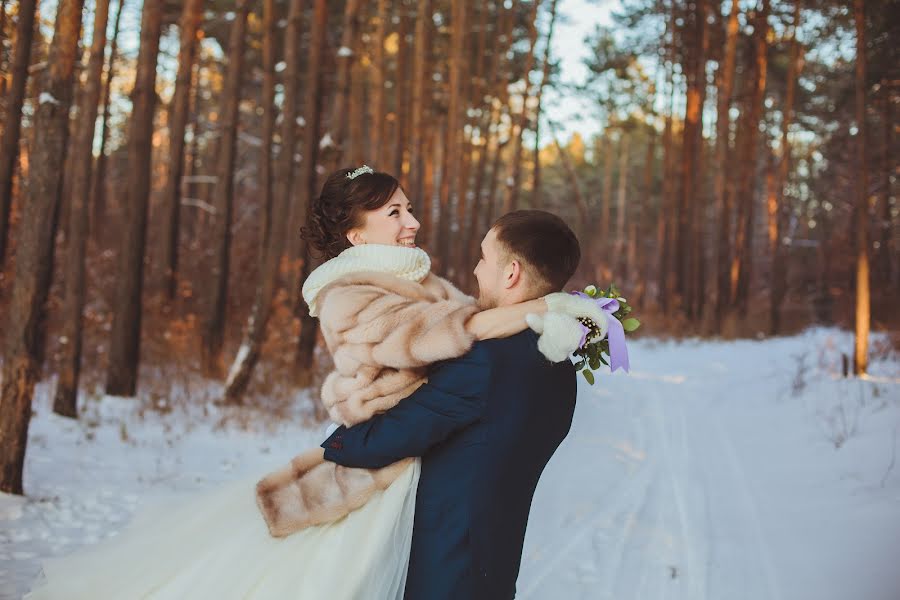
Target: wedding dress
<point>215,545</point>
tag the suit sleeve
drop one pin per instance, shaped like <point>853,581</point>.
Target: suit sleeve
<point>453,398</point>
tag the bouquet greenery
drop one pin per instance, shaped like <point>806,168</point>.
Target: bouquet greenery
<point>609,349</point>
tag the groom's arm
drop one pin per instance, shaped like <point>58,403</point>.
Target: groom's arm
<point>453,398</point>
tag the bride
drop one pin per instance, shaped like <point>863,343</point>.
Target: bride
<point>314,528</point>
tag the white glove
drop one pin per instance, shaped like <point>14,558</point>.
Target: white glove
<point>578,306</point>
<point>560,334</point>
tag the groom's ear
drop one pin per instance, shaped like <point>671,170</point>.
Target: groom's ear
<point>513,274</point>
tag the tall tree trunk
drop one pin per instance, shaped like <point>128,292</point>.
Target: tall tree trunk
<point>124,354</point>
<point>356,147</point>
<point>334,138</point>
<point>401,89</point>
<point>618,255</point>
<point>511,200</point>
<point>861,345</point>
<point>3,17</point>
<point>191,14</point>
<point>9,143</point>
<point>419,94</point>
<point>584,218</point>
<point>606,198</point>
<point>725,75</point>
<point>98,178</point>
<point>249,354</point>
<point>747,189</point>
<point>887,252</point>
<point>377,115</point>
<point>779,260</point>
<point>66,400</point>
<point>26,323</point>
<point>454,132</point>
<point>303,358</point>
<point>536,199</point>
<point>214,323</point>
<point>692,137</point>
<point>268,122</point>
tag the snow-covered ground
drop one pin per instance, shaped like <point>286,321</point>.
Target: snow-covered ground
<point>714,471</point>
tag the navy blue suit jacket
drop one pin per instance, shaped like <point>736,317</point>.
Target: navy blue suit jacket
<point>485,426</point>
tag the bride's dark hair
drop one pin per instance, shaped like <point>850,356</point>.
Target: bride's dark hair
<point>340,207</point>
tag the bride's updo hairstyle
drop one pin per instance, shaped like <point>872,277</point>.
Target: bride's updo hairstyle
<point>342,206</point>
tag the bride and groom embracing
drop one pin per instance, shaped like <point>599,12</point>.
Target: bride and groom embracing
<point>449,408</point>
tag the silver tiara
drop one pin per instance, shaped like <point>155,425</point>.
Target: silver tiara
<point>360,171</point>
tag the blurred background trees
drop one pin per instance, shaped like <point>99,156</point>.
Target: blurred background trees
<point>740,183</point>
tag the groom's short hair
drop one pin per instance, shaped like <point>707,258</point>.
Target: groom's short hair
<point>543,241</point>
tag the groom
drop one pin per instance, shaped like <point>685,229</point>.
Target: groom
<point>485,426</point>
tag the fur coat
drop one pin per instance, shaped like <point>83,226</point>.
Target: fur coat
<point>382,330</point>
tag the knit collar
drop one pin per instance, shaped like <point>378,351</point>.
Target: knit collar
<point>411,264</point>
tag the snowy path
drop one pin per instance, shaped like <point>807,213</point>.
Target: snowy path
<point>701,476</point>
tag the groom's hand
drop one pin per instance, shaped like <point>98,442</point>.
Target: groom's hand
<point>453,398</point>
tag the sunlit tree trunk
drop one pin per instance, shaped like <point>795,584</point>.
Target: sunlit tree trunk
<point>214,321</point>
<point>303,358</point>
<point>619,246</point>
<point>65,400</point>
<point>779,259</point>
<point>254,334</point>
<point>124,354</point>
<point>725,81</point>
<point>452,148</point>
<point>378,113</point>
<point>861,345</point>
<point>536,199</point>
<point>743,261</point>
<point>25,325</point>
<point>98,178</point>
<point>511,199</point>
<point>15,98</point>
<point>402,91</point>
<point>419,96</point>
<point>266,183</point>
<point>189,26</point>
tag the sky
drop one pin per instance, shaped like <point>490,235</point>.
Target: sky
<point>575,114</point>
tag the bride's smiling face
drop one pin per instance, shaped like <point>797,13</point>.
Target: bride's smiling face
<point>393,224</point>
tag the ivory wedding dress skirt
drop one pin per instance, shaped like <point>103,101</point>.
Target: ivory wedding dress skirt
<point>215,546</point>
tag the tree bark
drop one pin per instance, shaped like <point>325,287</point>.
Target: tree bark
<point>450,160</point>
<point>861,344</point>
<point>743,262</point>
<point>536,199</point>
<point>377,115</point>
<point>191,15</point>
<point>303,358</point>
<point>9,143</point>
<point>268,122</point>
<point>121,379</point>
<point>619,247</point>
<point>214,323</point>
<point>66,399</point>
<point>98,178</point>
<point>242,369</point>
<point>725,75</point>
<point>420,90</point>
<point>26,324</point>
<point>402,91</point>
<point>779,258</point>
<point>511,200</point>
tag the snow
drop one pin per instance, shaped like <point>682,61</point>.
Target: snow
<point>47,98</point>
<point>238,363</point>
<point>344,51</point>
<point>326,141</point>
<point>714,470</point>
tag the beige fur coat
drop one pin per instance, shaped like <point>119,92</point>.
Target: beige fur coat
<point>382,331</point>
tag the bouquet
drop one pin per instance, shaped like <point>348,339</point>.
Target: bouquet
<point>604,344</point>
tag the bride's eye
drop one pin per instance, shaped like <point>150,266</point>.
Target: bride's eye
<point>394,213</point>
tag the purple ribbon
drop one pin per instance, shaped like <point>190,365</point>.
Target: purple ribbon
<point>615,333</point>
